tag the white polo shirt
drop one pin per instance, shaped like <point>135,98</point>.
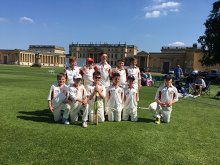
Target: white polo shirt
<point>131,97</point>
<point>115,96</point>
<point>57,94</point>
<point>77,93</point>
<point>134,71</point>
<point>91,89</point>
<point>105,71</point>
<point>87,74</point>
<point>122,72</point>
<point>70,73</point>
<point>165,94</point>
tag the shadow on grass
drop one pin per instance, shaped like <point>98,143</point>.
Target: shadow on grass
<point>145,120</point>
<point>37,116</point>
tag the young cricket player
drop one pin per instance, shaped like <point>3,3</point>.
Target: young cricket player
<point>87,72</point>
<point>105,69</point>
<point>96,92</point>
<point>56,99</point>
<point>71,71</point>
<point>165,97</point>
<point>121,70</point>
<point>115,96</point>
<point>130,100</point>
<point>79,100</point>
<point>133,70</point>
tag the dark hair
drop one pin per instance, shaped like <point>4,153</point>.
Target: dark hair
<point>120,60</point>
<point>59,75</point>
<point>116,74</point>
<point>103,52</point>
<point>96,73</point>
<point>132,59</point>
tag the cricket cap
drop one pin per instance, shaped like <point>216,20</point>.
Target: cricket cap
<point>89,60</point>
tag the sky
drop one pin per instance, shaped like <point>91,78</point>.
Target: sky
<point>147,24</point>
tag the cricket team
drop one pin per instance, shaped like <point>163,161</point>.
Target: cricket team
<point>112,92</point>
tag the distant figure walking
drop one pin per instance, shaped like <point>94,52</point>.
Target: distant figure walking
<point>178,72</point>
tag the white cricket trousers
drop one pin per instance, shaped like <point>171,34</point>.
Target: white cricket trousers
<point>75,109</point>
<point>130,112</point>
<point>114,114</point>
<point>159,111</point>
<point>57,112</point>
<point>100,111</point>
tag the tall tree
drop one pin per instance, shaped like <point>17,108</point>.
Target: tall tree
<point>210,41</point>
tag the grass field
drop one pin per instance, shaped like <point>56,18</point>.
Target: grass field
<point>28,134</point>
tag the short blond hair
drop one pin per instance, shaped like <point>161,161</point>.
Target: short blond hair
<point>72,59</point>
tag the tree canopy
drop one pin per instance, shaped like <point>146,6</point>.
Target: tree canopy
<point>210,41</point>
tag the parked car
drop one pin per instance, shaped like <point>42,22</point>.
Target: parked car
<point>213,74</point>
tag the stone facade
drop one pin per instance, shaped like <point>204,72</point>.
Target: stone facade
<point>50,56</point>
<point>169,57</point>
<point>114,51</point>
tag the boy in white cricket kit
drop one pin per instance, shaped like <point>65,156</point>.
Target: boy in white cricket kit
<point>133,70</point>
<point>71,71</point>
<point>131,98</point>
<point>56,99</point>
<point>165,97</point>
<point>115,96</point>
<point>87,73</point>
<point>96,89</point>
<point>79,100</point>
<point>121,70</point>
<point>105,69</point>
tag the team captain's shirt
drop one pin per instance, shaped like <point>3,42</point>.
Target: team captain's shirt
<point>166,95</point>
<point>105,71</point>
<point>57,94</point>
<point>70,73</point>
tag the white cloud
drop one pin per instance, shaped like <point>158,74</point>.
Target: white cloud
<point>161,7</point>
<point>3,20</point>
<point>153,14</point>
<point>26,20</point>
<point>177,43</point>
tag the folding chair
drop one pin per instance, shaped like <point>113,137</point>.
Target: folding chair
<point>206,90</point>
<point>157,80</point>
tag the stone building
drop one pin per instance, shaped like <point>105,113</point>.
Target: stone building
<point>114,51</point>
<point>169,57</point>
<point>49,55</point>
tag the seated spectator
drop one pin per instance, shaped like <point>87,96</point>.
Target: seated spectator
<point>199,85</point>
<point>149,79</point>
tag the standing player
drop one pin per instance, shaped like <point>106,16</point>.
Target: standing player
<point>115,96</point>
<point>130,104</point>
<point>105,69</point>
<point>121,70</point>
<point>71,71</point>
<point>96,90</point>
<point>56,99</point>
<point>79,100</point>
<point>87,73</point>
<point>165,97</point>
<point>133,70</point>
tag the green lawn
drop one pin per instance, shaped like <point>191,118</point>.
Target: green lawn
<point>28,134</point>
